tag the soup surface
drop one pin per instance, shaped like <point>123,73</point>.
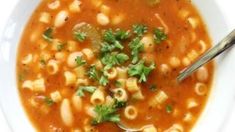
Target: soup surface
<point>86,65</point>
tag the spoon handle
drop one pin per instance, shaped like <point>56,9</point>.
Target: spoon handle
<point>223,45</point>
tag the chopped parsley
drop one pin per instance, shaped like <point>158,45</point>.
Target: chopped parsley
<point>48,101</point>
<point>122,34</point>
<point>82,89</point>
<point>159,35</point>
<point>80,36</point>
<point>141,71</point>
<point>93,73</point>
<point>119,104</point>
<point>118,84</point>
<point>105,113</point>
<point>169,108</point>
<point>111,59</point>
<point>47,34</point>
<point>42,62</point>
<point>79,61</point>
<point>136,47</point>
<point>60,47</point>
<point>103,80</point>
<point>139,29</point>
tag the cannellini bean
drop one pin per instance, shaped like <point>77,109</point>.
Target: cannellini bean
<point>165,69</point>
<point>117,19</point>
<point>54,5</point>
<point>175,62</point>
<point>61,18</point>
<point>66,113</point>
<point>77,102</point>
<point>27,59</point>
<point>45,17</point>
<point>102,19</point>
<point>75,6</point>
<point>72,45</point>
<point>202,74</point>
<point>72,57</point>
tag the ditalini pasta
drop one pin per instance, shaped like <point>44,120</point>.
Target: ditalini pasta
<point>86,65</point>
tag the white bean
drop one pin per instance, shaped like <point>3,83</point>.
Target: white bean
<point>202,74</point>
<point>61,18</point>
<point>102,19</point>
<point>66,113</point>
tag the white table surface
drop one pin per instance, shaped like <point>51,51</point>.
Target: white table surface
<point>228,8</point>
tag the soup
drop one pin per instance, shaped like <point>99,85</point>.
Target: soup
<point>88,65</point>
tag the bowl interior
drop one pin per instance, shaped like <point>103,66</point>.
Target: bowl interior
<point>213,116</point>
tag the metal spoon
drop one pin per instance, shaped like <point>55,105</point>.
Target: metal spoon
<point>127,129</point>
<point>222,46</point>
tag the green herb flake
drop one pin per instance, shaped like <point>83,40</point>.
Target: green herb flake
<point>47,34</point>
<point>122,34</point>
<point>139,29</point>
<point>159,35</point>
<point>103,80</point>
<point>169,108</point>
<point>42,62</point>
<point>93,73</point>
<point>60,47</point>
<point>80,36</point>
<point>119,104</point>
<point>136,47</point>
<point>140,70</point>
<point>82,89</point>
<point>80,61</point>
<point>105,113</point>
<point>49,101</point>
<point>118,84</point>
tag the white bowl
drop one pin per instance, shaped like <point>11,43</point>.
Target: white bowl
<point>213,116</point>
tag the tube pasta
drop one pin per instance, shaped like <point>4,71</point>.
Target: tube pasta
<point>188,117</point>
<point>80,71</point>
<point>192,55</point>
<point>71,61</point>
<point>174,62</point>
<point>200,89</point>
<point>131,85</point>
<point>77,102</point>
<point>81,82</point>
<point>90,111</point>
<point>138,95</point>
<point>158,99</point>
<point>194,22</point>
<point>97,97</point>
<point>39,85</point>
<point>122,83</point>
<point>121,72</point>
<point>165,69</point>
<point>27,59</point>
<point>45,17</point>
<point>98,64</point>
<point>150,128</point>
<point>66,113</point>
<point>71,46</point>
<point>56,96</point>
<point>183,14</point>
<point>60,56</point>
<point>96,3</point>
<point>203,46</point>
<point>102,19</point>
<point>75,6</point>
<point>109,100</point>
<point>88,53</point>
<point>130,112</point>
<point>111,74</point>
<point>175,128</point>
<point>120,94</point>
<point>70,78</point>
<point>105,9</point>
<point>191,103</point>
<point>117,19</point>
<point>52,67</point>
<point>54,5</point>
<point>28,84</point>
<point>186,61</point>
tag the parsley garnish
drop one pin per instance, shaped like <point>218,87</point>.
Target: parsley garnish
<point>105,113</point>
<point>122,34</point>
<point>136,47</point>
<point>159,35</point>
<point>48,101</point>
<point>79,36</point>
<point>139,29</point>
<point>111,59</point>
<point>80,61</point>
<point>103,80</point>
<point>93,73</point>
<point>47,34</point>
<point>60,47</point>
<point>140,70</point>
<point>169,108</point>
<point>82,89</point>
<point>119,104</point>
